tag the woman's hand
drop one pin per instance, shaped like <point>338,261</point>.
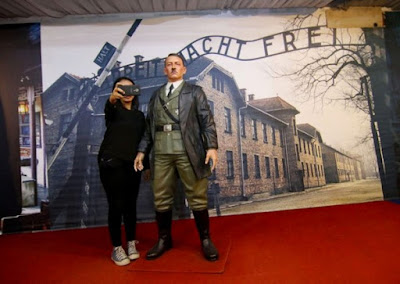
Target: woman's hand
<point>138,164</point>
<point>116,94</point>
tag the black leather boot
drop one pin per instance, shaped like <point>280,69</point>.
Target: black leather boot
<point>164,243</point>
<point>203,226</point>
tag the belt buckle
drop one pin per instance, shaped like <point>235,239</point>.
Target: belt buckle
<point>167,127</point>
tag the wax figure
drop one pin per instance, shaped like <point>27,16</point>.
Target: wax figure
<point>180,131</point>
<point>125,127</point>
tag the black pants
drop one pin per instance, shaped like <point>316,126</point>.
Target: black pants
<point>121,184</point>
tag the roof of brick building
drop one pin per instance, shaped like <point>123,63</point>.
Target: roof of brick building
<point>272,104</point>
<point>308,128</point>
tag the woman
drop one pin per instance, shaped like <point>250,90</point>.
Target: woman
<point>125,126</point>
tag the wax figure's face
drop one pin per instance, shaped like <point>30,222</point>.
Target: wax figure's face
<point>174,68</point>
<point>123,82</point>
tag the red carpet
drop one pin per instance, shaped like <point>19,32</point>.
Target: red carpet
<point>349,243</point>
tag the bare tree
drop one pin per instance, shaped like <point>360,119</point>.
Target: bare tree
<point>353,71</point>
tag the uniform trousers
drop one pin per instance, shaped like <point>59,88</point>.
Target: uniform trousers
<point>164,183</point>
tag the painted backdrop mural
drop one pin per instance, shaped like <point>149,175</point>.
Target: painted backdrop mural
<point>293,103</point>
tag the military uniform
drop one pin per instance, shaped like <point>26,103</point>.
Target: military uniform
<point>180,129</point>
<point>170,154</point>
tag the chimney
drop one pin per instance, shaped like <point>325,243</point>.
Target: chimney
<point>138,58</point>
<point>251,97</point>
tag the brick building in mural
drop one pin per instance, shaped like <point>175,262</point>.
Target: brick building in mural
<point>261,149</point>
<point>283,135</point>
<point>264,152</point>
<point>312,166</point>
<point>340,167</point>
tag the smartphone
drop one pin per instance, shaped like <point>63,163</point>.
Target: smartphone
<point>130,90</point>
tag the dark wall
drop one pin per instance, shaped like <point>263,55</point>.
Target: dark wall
<point>392,36</point>
<point>19,56</point>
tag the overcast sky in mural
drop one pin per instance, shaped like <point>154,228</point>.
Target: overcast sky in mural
<point>72,49</point>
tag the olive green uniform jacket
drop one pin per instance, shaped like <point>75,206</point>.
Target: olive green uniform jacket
<point>196,125</point>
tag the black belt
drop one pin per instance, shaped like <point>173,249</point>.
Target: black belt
<point>168,127</point>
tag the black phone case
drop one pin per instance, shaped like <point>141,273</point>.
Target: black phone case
<point>131,90</point>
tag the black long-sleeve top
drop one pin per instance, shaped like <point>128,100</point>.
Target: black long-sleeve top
<point>124,131</point>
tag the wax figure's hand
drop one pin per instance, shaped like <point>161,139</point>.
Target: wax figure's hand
<point>116,94</point>
<point>213,155</point>
<point>146,175</point>
<point>138,164</point>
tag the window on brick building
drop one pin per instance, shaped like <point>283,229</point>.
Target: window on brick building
<point>276,167</point>
<point>64,94</point>
<point>273,136</point>
<point>284,167</point>
<point>300,144</point>
<point>264,131</point>
<point>254,128</point>
<point>308,170</point>
<point>281,136</point>
<point>294,127</point>
<point>302,168</point>
<point>228,122</point>
<point>245,167</point>
<point>229,162</point>
<point>24,130</point>
<point>218,83</point>
<point>297,152</point>
<point>242,126</point>
<point>71,94</point>
<point>257,166</point>
<point>267,167</point>
<point>65,119</point>
<point>304,146</point>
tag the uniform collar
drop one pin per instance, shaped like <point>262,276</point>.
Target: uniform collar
<point>176,84</point>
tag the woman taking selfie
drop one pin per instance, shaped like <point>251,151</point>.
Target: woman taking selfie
<point>125,125</point>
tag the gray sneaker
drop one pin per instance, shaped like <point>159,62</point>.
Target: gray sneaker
<point>132,252</point>
<point>119,256</point>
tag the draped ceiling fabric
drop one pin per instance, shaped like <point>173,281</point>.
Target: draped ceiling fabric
<point>23,9</point>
